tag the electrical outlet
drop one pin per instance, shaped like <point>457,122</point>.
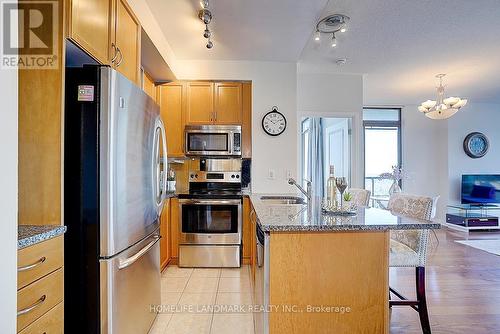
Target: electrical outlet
<point>271,174</point>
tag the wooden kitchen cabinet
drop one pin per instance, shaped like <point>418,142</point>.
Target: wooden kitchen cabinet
<point>247,231</point>
<point>203,103</point>
<point>110,32</point>
<point>40,291</point>
<point>165,235</point>
<point>228,103</point>
<point>246,122</point>
<point>148,86</point>
<point>171,98</point>
<point>199,103</point>
<point>174,230</point>
<point>128,42</point>
<point>90,25</point>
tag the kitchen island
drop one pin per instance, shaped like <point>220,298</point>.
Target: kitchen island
<point>318,273</point>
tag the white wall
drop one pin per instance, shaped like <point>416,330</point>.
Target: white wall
<point>335,95</point>
<point>273,84</point>
<point>424,158</point>
<point>8,200</point>
<point>479,117</point>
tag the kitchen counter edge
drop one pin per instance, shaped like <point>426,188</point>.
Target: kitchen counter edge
<point>29,235</point>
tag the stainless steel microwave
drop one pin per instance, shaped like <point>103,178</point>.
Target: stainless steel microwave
<point>213,140</point>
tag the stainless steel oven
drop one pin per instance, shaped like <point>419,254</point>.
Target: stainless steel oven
<point>210,232</point>
<point>210,221</point>
<point>213,140</point>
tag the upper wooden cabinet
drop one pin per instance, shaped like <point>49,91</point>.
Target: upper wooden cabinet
<point>90,25</point>
<point>109,31</point>
<point>228,103</point>
<point>199,102</point>
<point>127,42</point>
<point>171,99</point>
<point>213,103</point>
<point>148,86</point>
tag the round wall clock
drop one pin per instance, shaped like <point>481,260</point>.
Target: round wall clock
<point>476,145</point>
<point>274,122</point>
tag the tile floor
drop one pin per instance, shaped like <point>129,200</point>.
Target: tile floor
<point>199,301</point>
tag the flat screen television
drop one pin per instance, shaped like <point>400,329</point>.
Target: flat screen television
<point>480,189</point>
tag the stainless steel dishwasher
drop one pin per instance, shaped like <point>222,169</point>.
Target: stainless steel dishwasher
<point>262,282</point>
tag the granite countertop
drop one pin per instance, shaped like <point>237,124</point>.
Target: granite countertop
<point>28,235</point>
<point>294,217</point>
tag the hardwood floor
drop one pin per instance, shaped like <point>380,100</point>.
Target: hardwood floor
<point>463,287</point>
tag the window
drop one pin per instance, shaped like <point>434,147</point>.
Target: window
<point>382,133</point>
<point>305,136</point>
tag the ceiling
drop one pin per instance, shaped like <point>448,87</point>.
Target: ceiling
<point>398,45</point>
<point>263,30</point>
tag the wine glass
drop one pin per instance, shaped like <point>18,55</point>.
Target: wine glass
<point>341,183</point>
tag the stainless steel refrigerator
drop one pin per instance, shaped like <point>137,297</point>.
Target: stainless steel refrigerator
<point>114,161</point>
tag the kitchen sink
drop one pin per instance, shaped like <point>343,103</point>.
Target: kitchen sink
<point>283,199</point>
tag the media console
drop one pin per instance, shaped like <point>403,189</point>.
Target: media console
<point>467,217</point>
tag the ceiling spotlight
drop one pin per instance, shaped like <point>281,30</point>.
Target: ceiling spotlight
<point>334,40</point>
<point>344,29</point>
<point>205,15</point>
<point>207,33</point>
<point>204,3</point>
<point>317,36</point>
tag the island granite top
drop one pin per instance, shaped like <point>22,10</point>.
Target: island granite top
<point>28,235</point>
<point>294,217</point>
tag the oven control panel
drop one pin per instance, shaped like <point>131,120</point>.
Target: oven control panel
<point>201,176</point>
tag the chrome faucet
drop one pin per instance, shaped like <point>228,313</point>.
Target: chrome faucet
<point>307,193</point>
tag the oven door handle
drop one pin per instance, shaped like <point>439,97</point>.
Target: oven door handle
<point>210,202</point>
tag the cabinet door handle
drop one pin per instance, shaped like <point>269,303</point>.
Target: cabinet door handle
<point>113,46</point>
<point>33,265</point>
<point>32,306</point>
<point>121,56</point>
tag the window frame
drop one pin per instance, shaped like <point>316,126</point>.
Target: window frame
<point>383,124</point>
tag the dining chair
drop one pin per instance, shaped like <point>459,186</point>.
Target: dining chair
<point>408,248</point>
<point>360,197</point>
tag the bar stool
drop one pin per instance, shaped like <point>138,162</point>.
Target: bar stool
<point>360,197</point>
<point>408,248</point>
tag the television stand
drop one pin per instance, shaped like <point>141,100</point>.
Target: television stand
<point>466,217</point>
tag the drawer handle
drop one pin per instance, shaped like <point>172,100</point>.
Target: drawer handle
<point>31,266</point>
<point>32,307</point>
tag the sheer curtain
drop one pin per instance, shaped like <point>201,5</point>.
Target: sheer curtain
<point>315,156</point>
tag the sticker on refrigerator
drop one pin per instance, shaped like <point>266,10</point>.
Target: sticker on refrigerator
<point>86,93</point>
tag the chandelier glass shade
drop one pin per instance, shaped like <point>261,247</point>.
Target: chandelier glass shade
<point>442,108</point>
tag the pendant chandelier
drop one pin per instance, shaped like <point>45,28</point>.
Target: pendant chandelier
<point>442,108</point>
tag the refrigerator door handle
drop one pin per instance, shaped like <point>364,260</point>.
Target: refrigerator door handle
<point>124,263</point>
<point>156,167</point>
<point>164,162</point>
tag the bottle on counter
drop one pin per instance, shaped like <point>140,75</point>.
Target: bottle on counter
<point>331,188</point>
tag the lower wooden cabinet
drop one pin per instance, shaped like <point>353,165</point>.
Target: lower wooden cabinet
<point>165,235</point>
<point>174,230</point>
<point>41,287</point>
<point>51,322</point>
<point>247,231</point>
